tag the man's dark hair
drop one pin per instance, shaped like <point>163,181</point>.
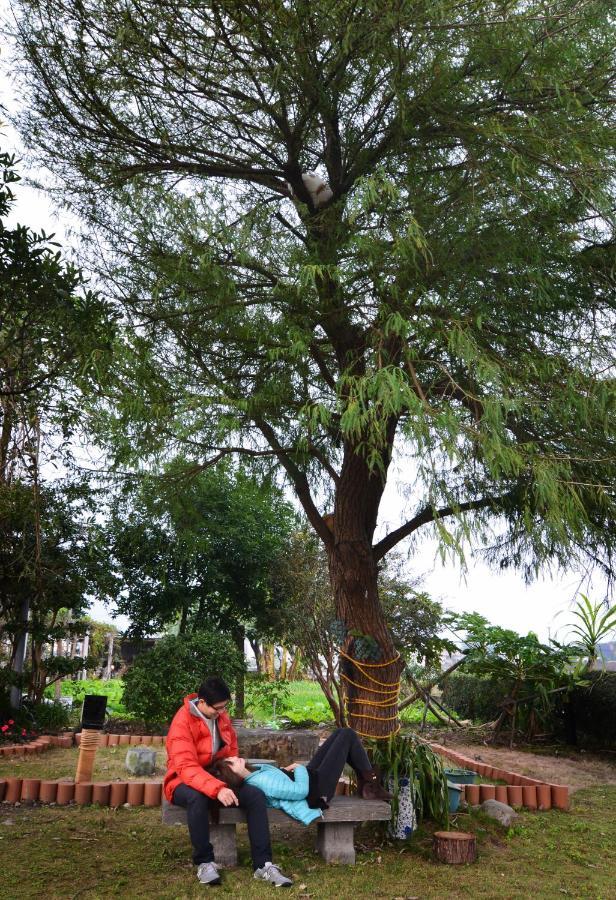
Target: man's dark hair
<point>214,690</point>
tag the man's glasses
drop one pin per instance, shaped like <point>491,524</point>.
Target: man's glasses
<point>221,707</point>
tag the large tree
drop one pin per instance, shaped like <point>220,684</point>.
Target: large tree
<point>447,292</point>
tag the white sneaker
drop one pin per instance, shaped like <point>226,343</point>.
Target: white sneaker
<point>272,873</point>
<point>207,873</point>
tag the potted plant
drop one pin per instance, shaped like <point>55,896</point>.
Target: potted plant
<point>414,775</point>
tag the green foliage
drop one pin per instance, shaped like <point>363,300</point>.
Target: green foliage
<point>453,299</point>
<point>112,689</point>
<point>593,624</point>
<point>262,692</point>
<point>405,756</point>
<point>196,548</point>
<point>531,670</point>
<point>594,710</point>
<point>475,697</point>
<point>49,717</point>
<point>160,678</point>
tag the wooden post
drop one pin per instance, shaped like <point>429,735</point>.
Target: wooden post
<point>455,847</point>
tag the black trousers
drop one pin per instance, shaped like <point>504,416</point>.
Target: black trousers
<point>197,807</point>
<point>325,768</point>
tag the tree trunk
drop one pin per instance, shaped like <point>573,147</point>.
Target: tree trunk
<point>284,659</point>
<point>267,661</point>
<point>455,847</point>
<point>239,635</point>
<point>371,686</point>
<point>295,667</point>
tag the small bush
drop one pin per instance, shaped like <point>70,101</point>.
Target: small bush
<point>594,710</point>
<point>160,678</point>
<point>49,717</point>
<point>473,697</point>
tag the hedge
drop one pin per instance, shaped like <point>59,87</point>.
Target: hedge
<point>473,697</point>
<point>594,710</point>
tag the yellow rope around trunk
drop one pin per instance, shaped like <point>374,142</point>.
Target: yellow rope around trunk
<point>393,692</point>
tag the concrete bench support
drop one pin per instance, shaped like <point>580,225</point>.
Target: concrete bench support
<point>224,844</point>
<point>335,842</point>
<point>334,838</point>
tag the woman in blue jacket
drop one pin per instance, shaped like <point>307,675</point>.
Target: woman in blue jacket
<point>303,791</point>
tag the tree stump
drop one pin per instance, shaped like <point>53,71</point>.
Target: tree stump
<point>455,847</point>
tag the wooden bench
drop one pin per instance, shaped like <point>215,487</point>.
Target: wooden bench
<point>334,830</point>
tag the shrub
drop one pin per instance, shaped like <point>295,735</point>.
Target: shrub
<point>160,678</point>
<point>594,710</point>
<point>49,716</point>
<point>473,697</point>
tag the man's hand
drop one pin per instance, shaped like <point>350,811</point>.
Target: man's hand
<point>227,797</point>
<point>291,767</point>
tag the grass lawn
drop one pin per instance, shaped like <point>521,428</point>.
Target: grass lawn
<point>59,763</point>
<point>89,853</point>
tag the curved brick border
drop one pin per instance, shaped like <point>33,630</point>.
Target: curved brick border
<point>65,791</point>
<point>521,790</point>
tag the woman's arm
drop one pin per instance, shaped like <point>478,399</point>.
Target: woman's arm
<point>289,789</point>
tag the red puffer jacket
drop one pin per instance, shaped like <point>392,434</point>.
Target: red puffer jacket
<point>189,750</point>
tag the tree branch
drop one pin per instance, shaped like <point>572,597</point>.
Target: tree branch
<point>427,515</point>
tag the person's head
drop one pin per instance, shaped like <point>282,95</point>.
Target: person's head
<point>213,697</point>
<point>232,770</point>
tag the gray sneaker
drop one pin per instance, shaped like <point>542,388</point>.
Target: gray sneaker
<point>272,873</point>
<point>207,873</point>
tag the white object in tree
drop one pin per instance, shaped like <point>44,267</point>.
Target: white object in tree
<point>319,190</point>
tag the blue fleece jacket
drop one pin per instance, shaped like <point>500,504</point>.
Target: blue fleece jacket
<point>282,792</point>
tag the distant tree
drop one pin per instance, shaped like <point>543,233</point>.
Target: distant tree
<point>442,287</point>
<point>46,561</point>
<point>196,550</point>
<point>55,339</point>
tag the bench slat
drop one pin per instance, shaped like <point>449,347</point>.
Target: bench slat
<point>342,809</point>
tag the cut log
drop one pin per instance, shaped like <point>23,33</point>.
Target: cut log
<point>455,847</point>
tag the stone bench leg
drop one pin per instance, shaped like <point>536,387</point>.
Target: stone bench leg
<point>224,844</point>
<point>335,842</point>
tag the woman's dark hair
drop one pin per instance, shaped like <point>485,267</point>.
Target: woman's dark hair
<point>214,690</point>
<point>223,771</point>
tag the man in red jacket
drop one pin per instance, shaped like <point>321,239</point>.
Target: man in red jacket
<point>201,733</point>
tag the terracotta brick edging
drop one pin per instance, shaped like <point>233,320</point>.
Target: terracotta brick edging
<point>104,793</point>
<point>521,791</point>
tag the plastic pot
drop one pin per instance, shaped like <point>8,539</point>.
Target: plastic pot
<point>454,796</point>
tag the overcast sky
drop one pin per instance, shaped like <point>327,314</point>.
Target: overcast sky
<point>501,597</point>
